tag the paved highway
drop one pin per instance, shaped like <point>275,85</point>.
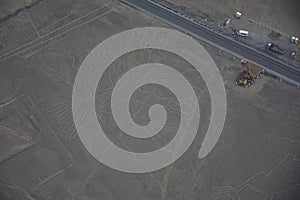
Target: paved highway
<point>279,68</point>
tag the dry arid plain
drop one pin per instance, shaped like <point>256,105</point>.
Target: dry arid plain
<point>42,45</point>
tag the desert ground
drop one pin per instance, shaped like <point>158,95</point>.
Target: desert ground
<point>42,157</point>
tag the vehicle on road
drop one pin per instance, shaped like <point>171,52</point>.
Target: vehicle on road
<point>274,48</point>
<point>249,73</point>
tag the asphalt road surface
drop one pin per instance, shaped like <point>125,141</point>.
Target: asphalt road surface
<point>284,71</point>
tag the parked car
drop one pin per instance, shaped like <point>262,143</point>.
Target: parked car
<point>242,33</point>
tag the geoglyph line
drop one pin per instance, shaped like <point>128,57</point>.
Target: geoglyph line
<point>91,16</point>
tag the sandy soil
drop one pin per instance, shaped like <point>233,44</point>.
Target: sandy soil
<point>9,7</point>
<point>47,159</point>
